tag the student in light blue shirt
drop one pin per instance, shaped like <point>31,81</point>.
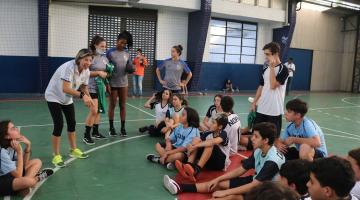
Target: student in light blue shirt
<point>303,132</point>
<point>18,173</point>
<point>175,145</point>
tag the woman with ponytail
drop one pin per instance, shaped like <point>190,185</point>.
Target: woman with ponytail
<point>97,73</point>
<point>174,68</point>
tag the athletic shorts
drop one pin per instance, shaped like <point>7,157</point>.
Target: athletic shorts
<point>216,160</point>
<point>6,187</point>
<point>163,145</point>
<point>94,95</point>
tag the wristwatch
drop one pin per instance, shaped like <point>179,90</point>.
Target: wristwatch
<point>81,95</point>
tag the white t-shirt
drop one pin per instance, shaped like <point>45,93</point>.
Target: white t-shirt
<point>271,102</point>
<point>232,130</point>
<point>66,72</point>
<point>160,112</point>
<point>290,66</point>
<point>356,190</point>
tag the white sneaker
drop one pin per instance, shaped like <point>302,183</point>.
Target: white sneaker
<point>170,166</point>
<point>171,185</point>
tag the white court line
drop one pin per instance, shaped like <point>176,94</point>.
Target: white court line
<point>140,109</point>
<point>7,198</point>
<point>336,107</point>
<point>358,136</point>
<point>103,122</point>
<point>29,196</point>
<point>342,136</point>
<point>344,100</point>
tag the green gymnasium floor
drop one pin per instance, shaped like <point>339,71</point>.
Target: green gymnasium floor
<point>117,168</point>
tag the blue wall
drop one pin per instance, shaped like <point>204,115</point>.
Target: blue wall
<point>303,66</point>
<point>21,74</point>
<point>243,76</point>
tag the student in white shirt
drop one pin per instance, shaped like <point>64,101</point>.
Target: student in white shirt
<point>160,102</point>
<point>291,68</point>
<point>63,86</point>
<point>211,113</point>
<point>232,128</point>
<point>270,95</point>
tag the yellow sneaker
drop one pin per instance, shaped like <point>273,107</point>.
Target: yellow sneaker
<point>58,161</point>
<point>77,153</point>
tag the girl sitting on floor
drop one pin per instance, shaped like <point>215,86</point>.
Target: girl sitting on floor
<point>160,102</point>
<point>17,172</point>
<point>175,145</point>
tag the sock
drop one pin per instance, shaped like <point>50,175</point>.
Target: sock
<point>122,125</point>
<point>111,122</point>
<point>96,129</point>
<point>197,169</point>
<point>87,131</point>
<point>187,187</point>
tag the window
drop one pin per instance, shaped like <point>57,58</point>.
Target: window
<point>232,42</point>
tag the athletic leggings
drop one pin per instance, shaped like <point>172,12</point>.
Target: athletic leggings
<point>56,111</point>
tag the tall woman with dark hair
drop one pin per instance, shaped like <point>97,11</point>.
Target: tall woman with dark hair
<point>174,68</point>
<point>120,57</point>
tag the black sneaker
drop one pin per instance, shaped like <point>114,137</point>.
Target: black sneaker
<point>43,174</point>
<point>143,129</point>
<point>88,141</point>
<point>153,158</point>
<point>123,133</point>
<point>112,132</point>
<point>98,136</point>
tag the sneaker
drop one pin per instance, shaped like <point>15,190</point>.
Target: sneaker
<point>143,129</point>
<point>170,166</point>
<point>112,132</point>
<point>190,172</point>
<point>77,153</point>
<point>98,136</point>
<point>43,174</point>
<point>123,133</point>
<point>88,141</point>
<point>153,158</point>
<point>180,167</point>
<point>58,161</point>
<point>171,185</point>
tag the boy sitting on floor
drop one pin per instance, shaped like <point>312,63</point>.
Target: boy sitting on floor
<point>303,132</point>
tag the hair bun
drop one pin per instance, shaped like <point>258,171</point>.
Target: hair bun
<point>180,47</point>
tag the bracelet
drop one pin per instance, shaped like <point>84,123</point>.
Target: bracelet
<point>81,95</point>
<point>27,151</point>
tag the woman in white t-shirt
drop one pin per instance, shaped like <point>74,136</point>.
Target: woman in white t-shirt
<point>63,86</point>
<point>160,102</point>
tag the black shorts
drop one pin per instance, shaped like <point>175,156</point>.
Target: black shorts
<point>277,120</point>
<point>293,154</point>
<point>94,95</point>
<point>156,131</point>
<point>163,145</point>
<point>216,160</point>
<point>240,181</point>
<point>6,187</point>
